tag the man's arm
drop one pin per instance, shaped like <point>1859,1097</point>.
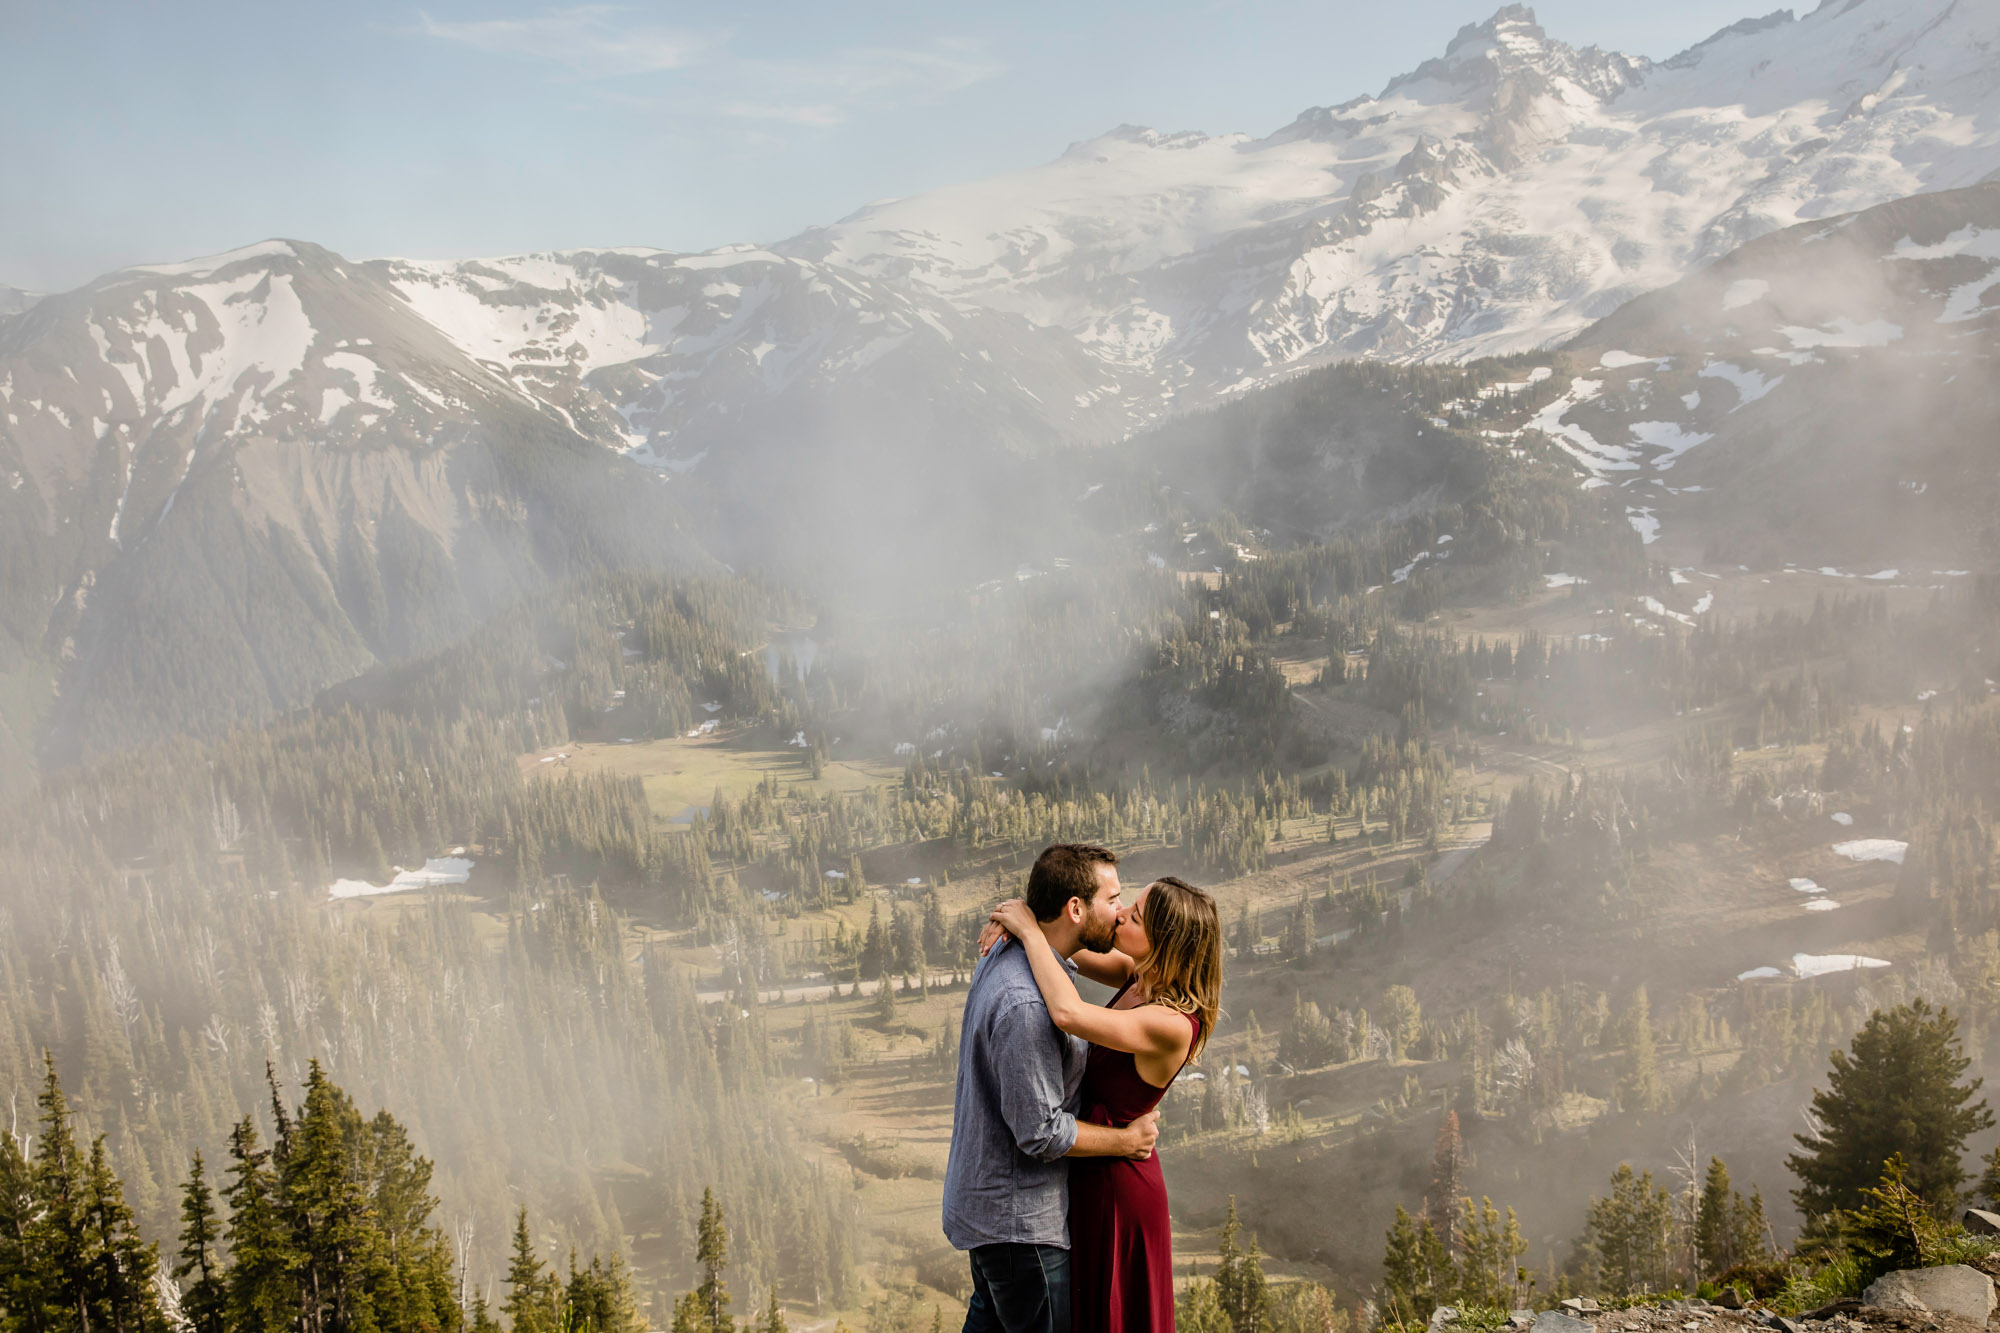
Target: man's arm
<point>1134,1141</point>
<point>1022,1045</point>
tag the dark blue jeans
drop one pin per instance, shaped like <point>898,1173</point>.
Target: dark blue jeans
<point>1018,1289</point>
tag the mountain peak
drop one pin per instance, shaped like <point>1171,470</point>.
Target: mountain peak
<point>1509,60</point>
<point>1509,21</point>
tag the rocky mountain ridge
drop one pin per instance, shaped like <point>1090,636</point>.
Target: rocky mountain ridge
<point>292,464</point>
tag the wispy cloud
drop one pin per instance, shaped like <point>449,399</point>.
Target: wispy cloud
<point>827,92</point>
<point>599,42</point>
<point>592,40</point>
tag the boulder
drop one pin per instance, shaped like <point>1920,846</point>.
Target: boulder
<point>1952,1289</point>
<point>1442,1318</point>
<point>1982,1223</point>
<point>1555,1321</point>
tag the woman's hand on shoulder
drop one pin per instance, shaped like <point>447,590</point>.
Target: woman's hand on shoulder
<point>1014,917</point>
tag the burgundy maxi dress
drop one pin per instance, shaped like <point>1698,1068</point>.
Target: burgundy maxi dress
<point>1121,1246</point>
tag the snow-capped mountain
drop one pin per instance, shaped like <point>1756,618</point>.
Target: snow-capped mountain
<point>228,483</point>
<point>1499,197</point>
<point>387,448</point>
<point>1825,396</point>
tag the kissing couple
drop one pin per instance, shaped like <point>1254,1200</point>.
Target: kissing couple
<point>1052,1184</point>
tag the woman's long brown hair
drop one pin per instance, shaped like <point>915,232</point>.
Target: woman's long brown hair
<point>1183,970</point>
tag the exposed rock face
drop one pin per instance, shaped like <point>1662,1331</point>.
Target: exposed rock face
<point>1982,1223</point>
<point>1953,1289</point>
<point>1554,1321</point>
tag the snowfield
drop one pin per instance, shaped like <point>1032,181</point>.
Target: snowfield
<point>1872,849</point>
<point>436,871</point>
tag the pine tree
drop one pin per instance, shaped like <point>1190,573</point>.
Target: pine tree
<point>529,1307</point>
<point>774,1316</point>
<point>599,1298</point>
<point>326,1208</point>
<point>1629,1235</point>
<point>1239,1279</point>
<point>198,1266</point>
<point>59,1238</point>
<point>261,1291</point>
<point>1639,1085</point>
<point>482,1316</point>
<point>125,1263</point>
<point>885,1004</point>
<point>712,1254</point>
<point>1415,1268</point>
<point>1715,1223</point>
<point>1447,1172</point>
<point>1488,1255</point>
<point>1199,1309</point>
<point>1895,1092</point>
<point>1753,1231</point>
<point>411,1267</point>
<point>20,1268</point>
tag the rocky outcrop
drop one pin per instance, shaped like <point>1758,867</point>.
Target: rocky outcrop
<point>1951,1289</point>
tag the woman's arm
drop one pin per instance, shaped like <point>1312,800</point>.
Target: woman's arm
<point>1149,1029</point>
<point>1111,968</point>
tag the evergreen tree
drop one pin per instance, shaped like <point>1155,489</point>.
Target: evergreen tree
<point>20,1267</point>
<point>1239,1279</point>
<point>412,1270</point>
<point>1728,1230</point>
<point>712,1254</point>
<point>59,1237</point>
<point>774,1317</point>
<point>1628,1239</point>
<point>1415,1268</point>
<point>262,1293</point>
<point>1895,1092</point>
<point>599,1298</point>
<point>482,1316</point>
<point>198,1266</point>
<point>324,1203</point>
<point>1489,1255</point>
<point>125,1263</point>
<point>1199,1309</point>
<point>1640,1087</point>
<point>1714,1230</point>
<point>530,1305</point>
<point>1447,1184</point>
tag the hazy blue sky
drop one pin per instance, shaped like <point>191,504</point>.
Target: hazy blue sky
<point>147,130</point>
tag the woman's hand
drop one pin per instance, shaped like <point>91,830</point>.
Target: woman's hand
<point>990,934</point>
<point>1014,917</point>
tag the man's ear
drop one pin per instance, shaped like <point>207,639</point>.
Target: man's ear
<point>1075,910</point>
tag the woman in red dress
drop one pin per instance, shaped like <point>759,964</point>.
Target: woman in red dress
<point>1167,966</point>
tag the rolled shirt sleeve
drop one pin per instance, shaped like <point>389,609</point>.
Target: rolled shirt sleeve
<point>1027,1047</point>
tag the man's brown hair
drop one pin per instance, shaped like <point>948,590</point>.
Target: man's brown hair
<point>1064,871</point>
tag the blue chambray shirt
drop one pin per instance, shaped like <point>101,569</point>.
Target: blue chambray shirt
<point>1014,1115</point>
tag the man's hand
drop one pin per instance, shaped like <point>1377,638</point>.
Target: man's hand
<point>1145,1132</point>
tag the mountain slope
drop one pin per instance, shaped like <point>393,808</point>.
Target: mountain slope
<point>1827,396</point>
<point>233,482</point>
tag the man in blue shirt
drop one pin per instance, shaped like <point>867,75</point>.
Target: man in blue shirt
<point>1006,1186</point>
